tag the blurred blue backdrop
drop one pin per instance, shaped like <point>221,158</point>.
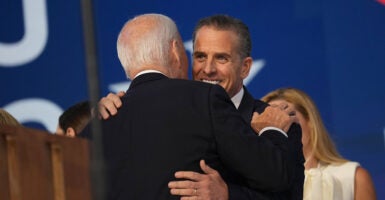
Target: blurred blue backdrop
<point>332,49</point>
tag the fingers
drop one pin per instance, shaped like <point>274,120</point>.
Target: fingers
<point>209,185</point>
<point>109,105</point>
<point>102,110</point>
<point>106,107</point>
<point>121,93</point>
<point>191,198</point>
<point>206,169</point>
<point>194,176</point>
<point>184,192</point>
<point>281,106</point>
<point>183,188</point>
<point>255,115</point>
<point>186,187</point>
<point>182,184</point>
<point>280,117</point>
<point>115,98</point>
<point>273,116</point>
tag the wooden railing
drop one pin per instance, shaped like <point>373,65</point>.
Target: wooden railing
<point>37,165</point>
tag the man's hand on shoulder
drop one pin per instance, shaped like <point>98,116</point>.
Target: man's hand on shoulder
<point>271,117</point>
<point>109,105</point>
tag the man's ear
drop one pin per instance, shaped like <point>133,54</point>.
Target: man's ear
<point>246,66</point>
<point>175,51</point>
<point>70,132</point>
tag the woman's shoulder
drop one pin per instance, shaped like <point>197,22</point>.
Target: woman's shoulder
<point>362,174</point>
<point>343,171</point>
<point>343,166</point>
<point>364,186</point>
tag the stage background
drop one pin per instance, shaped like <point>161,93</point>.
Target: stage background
<point>334,50</point>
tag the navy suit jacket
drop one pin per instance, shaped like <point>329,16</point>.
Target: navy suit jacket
<point>247,106</point>
<point>166,125</point>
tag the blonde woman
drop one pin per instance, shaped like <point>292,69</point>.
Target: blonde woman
<point>7,119</point>
<point>327,174</point>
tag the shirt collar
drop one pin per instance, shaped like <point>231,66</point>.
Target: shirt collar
<point>236,99</point>
<point>147,71</point>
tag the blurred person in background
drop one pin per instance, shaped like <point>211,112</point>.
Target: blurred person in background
<point>328,176</point>
<point>74,119</point>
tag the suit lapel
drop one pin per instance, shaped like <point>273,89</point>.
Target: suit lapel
<point>246,106</point>
<point>249,105</point>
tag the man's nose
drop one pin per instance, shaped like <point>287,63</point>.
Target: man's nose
<point>210,67</point>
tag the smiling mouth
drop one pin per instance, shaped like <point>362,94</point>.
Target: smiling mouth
<point>210,81</point>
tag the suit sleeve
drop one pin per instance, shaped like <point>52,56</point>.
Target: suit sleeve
<point>264,162</point>
<point>295,147</point>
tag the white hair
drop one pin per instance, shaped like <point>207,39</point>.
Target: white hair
<point>148,45</point>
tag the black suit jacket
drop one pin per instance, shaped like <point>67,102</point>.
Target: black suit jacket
<point>166,125</point>
<point>247,106</point>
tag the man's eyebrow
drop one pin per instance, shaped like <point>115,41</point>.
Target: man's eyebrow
<point>198,52</point>
<point>222,54</point>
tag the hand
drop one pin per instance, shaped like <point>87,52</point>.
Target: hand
<point>289,109</point>
<point>272,116</point>
<point>110,104</point>
<point>209,185</point>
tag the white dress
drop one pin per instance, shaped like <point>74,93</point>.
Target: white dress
<point>330,182</point>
